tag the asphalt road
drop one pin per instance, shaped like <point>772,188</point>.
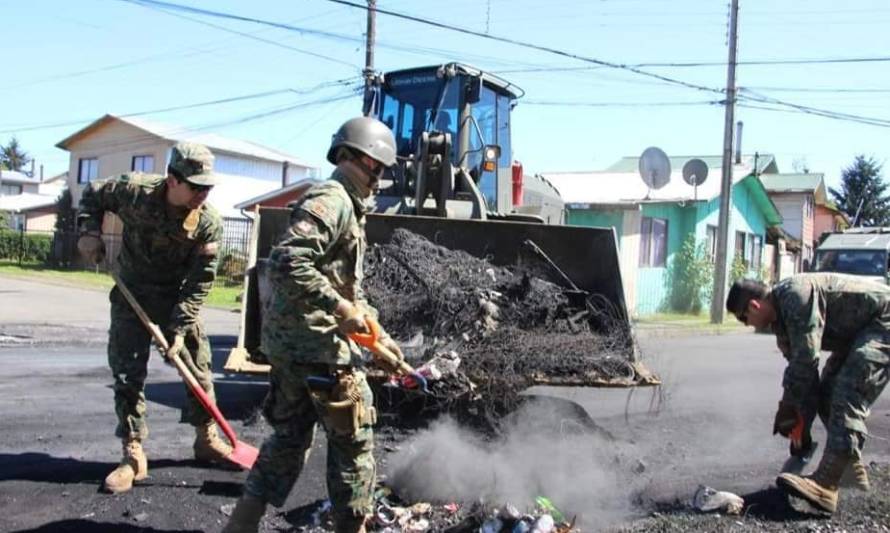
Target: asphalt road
<point>709,423</point>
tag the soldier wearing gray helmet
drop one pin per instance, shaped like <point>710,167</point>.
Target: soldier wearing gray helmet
<point>317,373</point>
<point>850,317</point>
<point>168,259</point>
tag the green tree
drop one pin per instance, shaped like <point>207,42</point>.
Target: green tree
<point>13,157</point>
<point>690,277</point>
<point>66,215</point>
<point>863,193</point>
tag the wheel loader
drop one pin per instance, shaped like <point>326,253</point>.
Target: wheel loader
<point>456,184</point>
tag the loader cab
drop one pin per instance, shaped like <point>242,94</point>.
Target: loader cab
<point>472,106</point>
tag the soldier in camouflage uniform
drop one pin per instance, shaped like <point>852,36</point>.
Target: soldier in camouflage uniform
<point>168,259</point>
<point>316,301</point>
<point>850,317</point>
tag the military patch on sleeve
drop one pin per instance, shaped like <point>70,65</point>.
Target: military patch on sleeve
<point>320,209</point>
<point>210,248</point>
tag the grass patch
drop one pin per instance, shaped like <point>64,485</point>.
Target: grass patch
<point>682,320</point>
<point>220,296</point>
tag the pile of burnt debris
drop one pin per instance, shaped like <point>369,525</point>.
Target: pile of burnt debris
<point>392,515</point>
<point>492,331</point>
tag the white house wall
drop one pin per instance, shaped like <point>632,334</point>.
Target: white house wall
<point>253,168</point>
<point>791,208</point>
<point>629,257</point>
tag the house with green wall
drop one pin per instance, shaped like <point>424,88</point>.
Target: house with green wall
<point>651,225</point>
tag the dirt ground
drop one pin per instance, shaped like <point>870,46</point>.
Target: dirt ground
<point>635,472</point>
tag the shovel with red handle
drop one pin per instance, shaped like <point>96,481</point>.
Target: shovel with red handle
<point>243,454</point>
<point>371,341</point>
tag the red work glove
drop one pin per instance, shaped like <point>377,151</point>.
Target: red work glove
<point>787,416</point>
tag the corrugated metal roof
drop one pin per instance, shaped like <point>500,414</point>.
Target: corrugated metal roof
<point>177,133</point>
<point>25,201</point>
<point>11,176</point>
<point>792,182</point>
<point>714,162</point>
<point>614,187</point>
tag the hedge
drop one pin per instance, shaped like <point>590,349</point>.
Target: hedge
<point>25,247</point>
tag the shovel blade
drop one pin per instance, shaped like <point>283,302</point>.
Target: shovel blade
<point>243,455</point>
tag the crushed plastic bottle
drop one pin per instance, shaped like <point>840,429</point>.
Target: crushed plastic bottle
<point>707,500</point>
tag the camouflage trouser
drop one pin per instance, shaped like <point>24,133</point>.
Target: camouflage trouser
<point>294,415</point>
<point>129,346</point>
<point>850,383</point>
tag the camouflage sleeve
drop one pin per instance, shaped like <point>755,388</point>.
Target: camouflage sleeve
<point>804,323</point>
<point>315,226</point>
<point>99,197</point>
<point>199,279</point>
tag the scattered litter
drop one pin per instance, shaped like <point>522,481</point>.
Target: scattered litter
<point>141,517</point>
<point>707,500</point>
<point>227,509</point>
<point>544,524</point>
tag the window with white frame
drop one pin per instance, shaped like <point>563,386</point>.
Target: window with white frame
<point>87,170</point>
<point>711,236</point>
<point>10,189</point>
<point>740,238</point>
<point>653,242</point>
<point>757,252</point>
<point>143,163</point>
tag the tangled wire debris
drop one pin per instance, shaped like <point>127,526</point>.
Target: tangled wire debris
<point>511,327</point>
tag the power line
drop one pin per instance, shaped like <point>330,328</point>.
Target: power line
<point>566,103</point>
<point>692,64</point>
<point>532,46</point>
<point>152,5</point>
<point>750,96</point>
<point>176,131</point>
<point>195,105</point>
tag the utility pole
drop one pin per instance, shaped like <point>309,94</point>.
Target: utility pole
<point>717,303</point>
<point>368,72</point>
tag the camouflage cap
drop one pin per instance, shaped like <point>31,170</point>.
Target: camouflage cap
<point>192,162</point>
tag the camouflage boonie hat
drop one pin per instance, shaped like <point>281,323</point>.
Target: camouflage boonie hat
<point>192,162</point>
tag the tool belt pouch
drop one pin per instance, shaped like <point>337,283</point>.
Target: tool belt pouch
<point>343,409</point>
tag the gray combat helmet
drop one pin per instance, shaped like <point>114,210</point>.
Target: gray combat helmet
<point>368,136</point>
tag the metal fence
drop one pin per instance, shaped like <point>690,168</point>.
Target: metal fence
<point>57,249</point>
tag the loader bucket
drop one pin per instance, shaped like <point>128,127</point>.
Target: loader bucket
<point>585,257</point>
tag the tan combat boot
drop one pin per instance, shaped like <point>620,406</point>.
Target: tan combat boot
<point>821,487</point>
<point>133,467</point>
<point>856,477</point>
<point>208,446</point>
<point>246,516</point>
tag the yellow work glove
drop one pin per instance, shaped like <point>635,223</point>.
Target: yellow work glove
<point>91,246</point>
<point>350,318</point>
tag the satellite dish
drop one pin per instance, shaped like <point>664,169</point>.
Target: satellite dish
<point>695,171</point>
<point>655,168</point>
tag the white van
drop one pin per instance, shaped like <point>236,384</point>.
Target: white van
<point>859,251</point>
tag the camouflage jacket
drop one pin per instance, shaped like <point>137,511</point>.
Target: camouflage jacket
<point>157,256</point>
<point>822,311</point>
<point>317,263</point>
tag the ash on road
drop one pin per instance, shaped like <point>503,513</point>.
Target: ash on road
<point>709,423</point>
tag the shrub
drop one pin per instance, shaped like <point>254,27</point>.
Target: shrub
<point>25,247</point>
<point>690,277</point>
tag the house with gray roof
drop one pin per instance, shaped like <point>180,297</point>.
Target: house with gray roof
<point>651,225</point>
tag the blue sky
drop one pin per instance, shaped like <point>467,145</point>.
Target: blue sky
<point>75,61</point>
